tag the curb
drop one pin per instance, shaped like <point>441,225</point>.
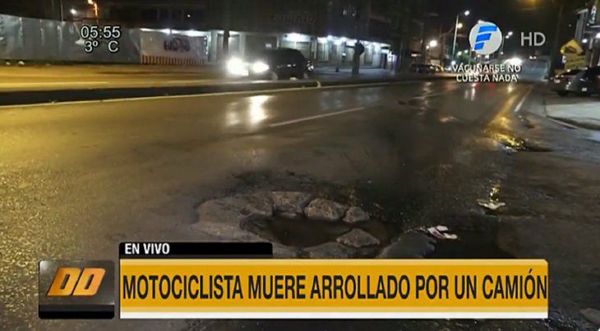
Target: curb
<point>15,98</point>
<point>568,122</point>
<point>579,124</point>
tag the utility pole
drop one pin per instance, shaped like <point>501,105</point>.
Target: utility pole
<point>227,21</point>
<point>455,36</point>
<point>555,45</point>
<point>61,10</point>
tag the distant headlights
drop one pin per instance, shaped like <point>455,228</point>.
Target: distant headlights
<point>237,67</point>
<point>260,67</point>
<point>515,61</point>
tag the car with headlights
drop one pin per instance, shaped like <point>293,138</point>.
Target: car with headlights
<point>425,68</point>
<point>577,81</point>
<point>274,64</point>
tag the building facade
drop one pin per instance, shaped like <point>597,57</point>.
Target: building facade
<point>587,31</point>
<point>324,31</point>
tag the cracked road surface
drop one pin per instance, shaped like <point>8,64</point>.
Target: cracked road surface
<point>77,179</point>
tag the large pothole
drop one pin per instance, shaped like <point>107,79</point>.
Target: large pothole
<point>298,232</point>
<point>296,220</point>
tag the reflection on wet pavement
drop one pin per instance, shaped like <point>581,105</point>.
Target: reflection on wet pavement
<point>62,173</point>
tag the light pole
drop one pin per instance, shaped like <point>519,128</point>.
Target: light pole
<point>466,13</point>
<point>508,35</point>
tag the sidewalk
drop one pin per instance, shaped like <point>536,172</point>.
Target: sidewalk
<point>43,84</point>
<point>62,77</point>
<point>581,112</point>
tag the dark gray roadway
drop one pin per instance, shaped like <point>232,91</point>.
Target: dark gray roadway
<point>77,179</point>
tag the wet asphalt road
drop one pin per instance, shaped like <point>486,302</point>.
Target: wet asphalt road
<point>77,179</point>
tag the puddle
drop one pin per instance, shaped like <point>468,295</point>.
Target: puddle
<point>299,232</point>
<point>470,245</point>
<point>303,232</point>
<point>382,231</point>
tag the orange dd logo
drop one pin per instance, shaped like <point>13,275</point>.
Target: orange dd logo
<point>76,289</point>
<point>76,282</point>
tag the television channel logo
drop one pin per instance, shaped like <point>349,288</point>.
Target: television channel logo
<point>76,289</point>
<point>485,38</point>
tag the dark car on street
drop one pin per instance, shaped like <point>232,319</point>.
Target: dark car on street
<point>425,68</point>
<point>577,81</point>
<point>274,64</point>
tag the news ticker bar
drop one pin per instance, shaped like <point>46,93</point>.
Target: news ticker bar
<point>241,280</point>
<point>194,250</point>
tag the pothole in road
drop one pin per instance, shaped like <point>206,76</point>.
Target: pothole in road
<point>299,232</point>
<point>294,221</point>
<point>302,232</point>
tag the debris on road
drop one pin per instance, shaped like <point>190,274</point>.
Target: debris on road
<point>290,203</point>
<point>358,238</point>
<point>440,232</point>
<point>325,210</point>
<point>356,215</point>
<point>491,205</point>
<point>449,119</point>
<point>278,217</point>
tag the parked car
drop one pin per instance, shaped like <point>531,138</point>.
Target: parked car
<point>425,68</point>
<point>279,63</point>
<point>578,81</point>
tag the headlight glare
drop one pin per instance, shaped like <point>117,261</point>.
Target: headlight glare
<point>237,67</point>
<point>260,67</point>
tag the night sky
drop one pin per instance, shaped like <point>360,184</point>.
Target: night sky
<point>513,15</point>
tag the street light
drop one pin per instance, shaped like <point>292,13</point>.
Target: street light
<point>433,43</point>
<point>508,35</point>
<point>94,5</point>
<point>73,11</point>
<point>456,27</point>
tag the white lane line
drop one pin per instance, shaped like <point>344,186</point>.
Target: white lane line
<point>522,102</point>
<point>316,117</point>
<point>430,95</point>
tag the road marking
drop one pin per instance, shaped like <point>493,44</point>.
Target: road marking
<point>522,102</point>
<point>316,117</point>
<point>160,97</point>
<point>429,95</point>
